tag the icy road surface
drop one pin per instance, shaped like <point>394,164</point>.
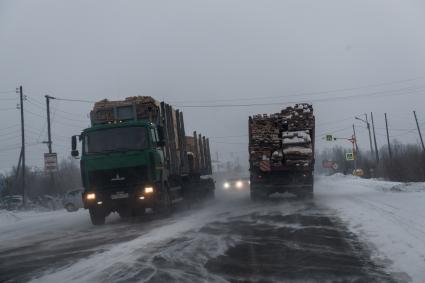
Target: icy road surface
<point>228,240</point>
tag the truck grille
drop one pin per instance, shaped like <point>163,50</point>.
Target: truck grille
<point>119,177</point>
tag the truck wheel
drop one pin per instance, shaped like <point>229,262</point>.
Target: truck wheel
<point>97,217</point>
<point>306,194</point>
<point>125,213</point>
<point>255,196</point>
<point>164,203</point>
<point>70,207</point>
<point>211,194</point>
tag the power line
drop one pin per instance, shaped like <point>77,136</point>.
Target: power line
<point>59,122</point>
<point>410,90</point>
<point>14,147</point>
<point>333,132</point>
<point>10,137</point>
<point>245,143</point>
<point>375,94</point>
<point>309,93</point>
<point>76,100</point>
<point>33,102</point>
<point>224,137</point>
<point>8,99</point>
<point>335,121</point>
<point>35,114</point>
<point>12,126</point>
<point>8,91</point>
<point>10,132</point>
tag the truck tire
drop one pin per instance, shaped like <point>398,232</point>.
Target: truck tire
<point>70,207</point>
<point>211,194</point>
<point>253,196</point>
<point>257,196</point>
<point>164,204</point>
<point>125,213</point>
<point>306,194</point>
<point>97,216</point>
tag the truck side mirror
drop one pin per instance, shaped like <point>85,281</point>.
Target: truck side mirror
<point>74,151</point>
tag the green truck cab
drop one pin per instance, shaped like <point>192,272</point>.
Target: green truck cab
<point>129,163</point>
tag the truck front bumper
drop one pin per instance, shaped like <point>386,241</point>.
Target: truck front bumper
<point>116,200</point>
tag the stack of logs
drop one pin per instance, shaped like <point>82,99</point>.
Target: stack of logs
<point>146,107</point>
<point>285,138</point>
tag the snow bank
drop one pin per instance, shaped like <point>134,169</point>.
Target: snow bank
<point>18,228</point>
<point>389,216</point>
<point>8,217</point>
<point>407,187</point>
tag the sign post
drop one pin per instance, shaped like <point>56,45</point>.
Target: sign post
<point>51,162</point>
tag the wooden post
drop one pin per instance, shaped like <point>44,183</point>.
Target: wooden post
<point>388,139</point>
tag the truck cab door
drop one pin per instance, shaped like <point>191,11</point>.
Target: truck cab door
<point>158,155</point>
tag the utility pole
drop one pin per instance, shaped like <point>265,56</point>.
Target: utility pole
<point>388,139</point>
<point>355,148</point>
<point>368,128</point>
<point>374,138</point>
<point>49,133</point>
<point>419,131</point>
<point>355,137</point>
<point>49,138</point>
<point>370,136</point>
<point>18,169</point>
<point>21,98</point>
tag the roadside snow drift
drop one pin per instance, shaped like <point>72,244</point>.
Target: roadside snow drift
<point>389,216</point>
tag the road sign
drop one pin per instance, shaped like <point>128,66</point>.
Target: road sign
<point>329,138</point>
<point>349,156</point>
<point>327,164</point>
<point>50,162</point>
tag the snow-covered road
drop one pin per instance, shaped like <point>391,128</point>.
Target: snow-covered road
<point>388,216</point>
<point>231,239</point>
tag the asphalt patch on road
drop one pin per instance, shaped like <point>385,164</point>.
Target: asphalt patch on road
<point>300,247</point>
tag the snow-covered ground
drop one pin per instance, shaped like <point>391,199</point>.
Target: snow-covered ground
<point>388,216</point>
<point>18,228</point>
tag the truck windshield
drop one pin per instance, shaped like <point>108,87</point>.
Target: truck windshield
<point>117,139</point>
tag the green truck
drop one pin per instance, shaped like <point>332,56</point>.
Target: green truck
<point>281,152</point>
<point>136,158</point>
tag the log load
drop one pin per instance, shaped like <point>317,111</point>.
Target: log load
<point>285,139</point>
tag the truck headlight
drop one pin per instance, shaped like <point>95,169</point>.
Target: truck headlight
<point>148,190</point>
<point>239,184</point>
<point>226,185</point>
<point>91,196</point>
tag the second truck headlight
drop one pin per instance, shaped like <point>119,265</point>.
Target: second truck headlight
<point>148,190</point>
<point>91,196</point>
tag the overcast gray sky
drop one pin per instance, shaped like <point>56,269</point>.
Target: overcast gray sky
<point>201,53</point>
